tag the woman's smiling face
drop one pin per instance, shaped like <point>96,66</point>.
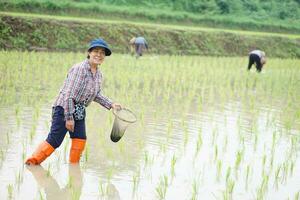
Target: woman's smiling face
<point>97,56</point>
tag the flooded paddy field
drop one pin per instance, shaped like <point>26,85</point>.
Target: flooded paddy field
<point>206,129</point>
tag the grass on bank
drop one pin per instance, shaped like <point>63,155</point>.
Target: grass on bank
<point>147,24</point>
<point>129,12</point>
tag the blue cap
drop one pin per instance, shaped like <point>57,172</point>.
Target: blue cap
<point>100,43</point>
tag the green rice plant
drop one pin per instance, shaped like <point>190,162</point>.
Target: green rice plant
<point>86,152</point>
<point>228,173</point>
<point>48,173</point>
<point>239,157</point>
<point>7,138</point>
<point>297,196</point>
<point>292,165</point>
<point>261,191</point>
<point>41,195</point>
<point>70,183</point>
<point>173,162</point>
<point>32,132</point>
<point>219,169</point>
<point>214,135</point>
<point>199,142</point>
<point>18,121</point>
<point>19,178</point>
<point>185,134</point>
<point>75,194</point>
<point>195,188</point>
<point>169,128</point>
<point>1,155</point>
<point>247,177</point>
<point>264,161</point>
<point>230,186</point>
<point>109,174</point>
<point>10,191</point>
<point>225,143</point>
<point>162,147</point>
<point>215,153</point>
<point>277,174</point>
<point>102,188</point>
<point>66,149</point>
<point>162,187</point>
<point>146,158</point>
<point>136,180</point>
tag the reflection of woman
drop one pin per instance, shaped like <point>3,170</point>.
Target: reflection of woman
<point>81,87</point>
<point>51,187</point>
<point>259,58</point>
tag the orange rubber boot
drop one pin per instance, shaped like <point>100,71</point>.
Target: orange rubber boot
<point>43,151</point>
<point>76,149</point>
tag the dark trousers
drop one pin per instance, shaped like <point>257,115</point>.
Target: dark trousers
<point>253,58</point>
<point>58,129</point>
<point>139,49</point>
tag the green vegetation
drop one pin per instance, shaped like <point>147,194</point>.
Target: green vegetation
<point>240,124</point>
<point>35,33</point>
<point>272,15</point>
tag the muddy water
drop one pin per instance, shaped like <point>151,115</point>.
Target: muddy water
<point>221,145</point>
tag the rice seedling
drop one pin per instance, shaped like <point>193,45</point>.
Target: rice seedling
<point>41,197</point>
<point>173,162</point>
<point>70,183</point>
<point>215,153</point>
<point>228,173</point>
<point>219,170</point>
<point>75,194</point>
<point>239,157</point>
<point>261,191</point>
<point>7,138</point>
<point>102,188</point>
<point>135,181</point>
<point>86,152</point>
<point>297,196</point>
<point>227,194</point>
<point>162,187</point>
<point>32,132</point>
<point>10,191</point>
<point>48,171</point>
<point>195,188</point>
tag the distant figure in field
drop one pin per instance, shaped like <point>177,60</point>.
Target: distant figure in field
<point>259,58</point>
<point>140,44</point>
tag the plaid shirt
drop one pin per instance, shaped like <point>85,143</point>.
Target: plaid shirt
<point>81,86</point>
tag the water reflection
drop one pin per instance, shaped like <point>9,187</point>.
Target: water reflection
<point>112,192</point>
<point>44,179</point>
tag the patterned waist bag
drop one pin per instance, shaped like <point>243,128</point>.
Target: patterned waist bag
<point>79,113</point>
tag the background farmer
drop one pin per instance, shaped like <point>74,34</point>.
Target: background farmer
<point>80,88</point>
<point>259,58</point>
<point>140,44</point>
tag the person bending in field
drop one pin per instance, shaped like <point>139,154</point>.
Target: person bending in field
<point>140,44</point>
<point>259,58</point>
<point>80,88</point>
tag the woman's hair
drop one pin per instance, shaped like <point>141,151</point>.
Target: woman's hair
<point>89,51</point>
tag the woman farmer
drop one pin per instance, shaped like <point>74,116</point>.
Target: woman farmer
<point>259,58</point>
<point>80,88</point>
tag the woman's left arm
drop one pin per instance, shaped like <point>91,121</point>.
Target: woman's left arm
<point>103,100</point>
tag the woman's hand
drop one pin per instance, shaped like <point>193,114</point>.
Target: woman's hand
<point>116,106</point>
<point>70,125</point>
